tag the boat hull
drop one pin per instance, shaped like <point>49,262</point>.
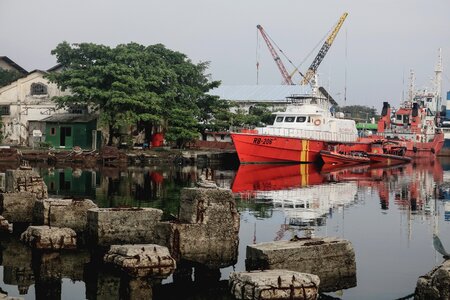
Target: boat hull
<point>423,150</point>
<point>335,159</point>
<point>387,159</point>
<point>257,148</point>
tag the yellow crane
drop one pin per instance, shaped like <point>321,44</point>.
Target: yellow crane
<point>323,51</point>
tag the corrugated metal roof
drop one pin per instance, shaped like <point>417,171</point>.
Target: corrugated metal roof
<point>259,93</point>
<point>70,118</point>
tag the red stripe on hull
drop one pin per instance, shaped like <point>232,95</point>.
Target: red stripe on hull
<point>255,148</point>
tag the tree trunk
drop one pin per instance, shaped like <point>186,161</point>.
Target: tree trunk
<point>111,134</point>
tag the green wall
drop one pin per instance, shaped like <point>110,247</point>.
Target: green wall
<point>81,134</point>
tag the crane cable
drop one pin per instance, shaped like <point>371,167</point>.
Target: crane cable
<point>313,50</point>
<point>257,57</point>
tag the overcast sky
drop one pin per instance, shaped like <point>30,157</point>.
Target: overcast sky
<point>384,38</point>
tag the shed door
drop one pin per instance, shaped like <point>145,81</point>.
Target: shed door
<point>66,137</point>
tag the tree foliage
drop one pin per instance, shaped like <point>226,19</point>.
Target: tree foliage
<point>358,111</point>
<point>8,76</point>
<point>258,115</point>
<point>133,84</point>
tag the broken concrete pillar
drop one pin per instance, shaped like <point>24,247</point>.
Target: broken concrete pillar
<point>63,213</point>
<point>145,260</point>
<point>209,230</point>
<point>332,259</point>
<point>25,181</point>
<point>435,284</point>
<point>200,243</point>
<point>109,226</point>
<point>53,238</point>
<point>17,207</point>
<point>274,284</point>
<point>204,205</point>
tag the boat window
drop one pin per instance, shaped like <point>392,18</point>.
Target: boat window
<point>399,117</point>
<point>279,119</point>
<point>289,119</point>
<point>301,119</point>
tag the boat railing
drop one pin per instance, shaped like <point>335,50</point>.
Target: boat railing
<point>309,134</point>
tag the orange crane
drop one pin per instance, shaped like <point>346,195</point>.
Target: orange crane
<point>286,77</point>
<point>323,51</point>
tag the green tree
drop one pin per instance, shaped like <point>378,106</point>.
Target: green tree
<point>258,115</point>
<point>358,112</point>
<point>134,85</point>
<point>8,76</point>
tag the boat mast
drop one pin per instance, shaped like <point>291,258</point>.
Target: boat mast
<point>412,79</point>
<point>438,81</point>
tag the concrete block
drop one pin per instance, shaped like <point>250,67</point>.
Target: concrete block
<point>203,205</point>
<point>274,284</point>
<point>332,259</point>
<point>145,260</point>
<point>213,247</point>
<point>53,238</point>
<point>63,213</point>
<point>17,207</point>
<point>435,284</point>
<point>109,226</point>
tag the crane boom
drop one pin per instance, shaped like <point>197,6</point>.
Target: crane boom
<point>323,51</point>
<point>286,77</point>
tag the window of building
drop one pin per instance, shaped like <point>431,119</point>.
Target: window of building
<point>52,131</point>
<point>279,119</point>
<point>222,137</point>
<point>4,110</point>
<point>289,119</point>
<point>38,89</point>
<point>301,119</point>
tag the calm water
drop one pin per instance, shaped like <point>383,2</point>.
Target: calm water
<point>389,215</point>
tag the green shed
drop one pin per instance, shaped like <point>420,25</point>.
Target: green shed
<point>69,130</point>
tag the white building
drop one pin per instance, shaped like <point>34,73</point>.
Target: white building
<point>26,100</point>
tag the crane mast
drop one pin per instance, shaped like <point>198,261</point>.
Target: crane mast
<point>286,77</point>
<point>323,51</point>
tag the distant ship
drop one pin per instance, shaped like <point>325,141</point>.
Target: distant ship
<point>416,122</point>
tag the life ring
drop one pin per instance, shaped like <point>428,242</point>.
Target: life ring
<point>317,122</point>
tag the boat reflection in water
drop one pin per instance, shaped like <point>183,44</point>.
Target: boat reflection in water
<point>301,192</point>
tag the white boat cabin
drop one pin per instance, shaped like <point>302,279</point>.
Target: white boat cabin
<point>312,118</point>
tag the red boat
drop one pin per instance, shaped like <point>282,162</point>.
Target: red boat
<point>298,134</point>
<point>340,158</point>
